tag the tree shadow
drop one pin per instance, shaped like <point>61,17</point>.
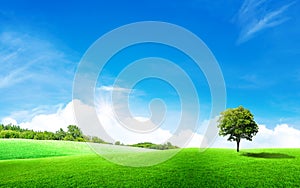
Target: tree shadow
<point>268,155</point>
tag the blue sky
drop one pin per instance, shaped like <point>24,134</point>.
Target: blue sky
<point>256,43</point>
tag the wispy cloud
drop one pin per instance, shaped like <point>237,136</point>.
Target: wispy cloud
<point>24,57</point>
<point>118,89</point>
<point>34,71</point>
<point>251,81</point>
<point>257,15</point>
<point>13,77</point>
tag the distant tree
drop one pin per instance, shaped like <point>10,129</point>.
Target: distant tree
<point>117,143</point>
<point>96,139</point>
<point>14,134</point>
<point>87,138</point>
<point>9,134</point>
<point>79,139</point>
<point>73,134</point>
<point>74,131</point>
<point>28,134</point>
<point>60,134</point>
<point>69,137</point>
<point>3,134</point>
<point>12,127</point>
<point>150,145</point>
<point>48,135</point>
<point>8,127</point>
<point>39,136</point>
<point>238,123</point>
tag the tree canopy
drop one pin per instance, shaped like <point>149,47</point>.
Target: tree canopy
<point>238,123</point>
<point>73,134</point>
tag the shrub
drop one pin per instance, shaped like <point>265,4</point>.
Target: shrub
<point>80,140</point>
<point>69,137</point>
<point>27,134</point>
<point>9,134</point>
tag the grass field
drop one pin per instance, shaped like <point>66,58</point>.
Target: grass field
<point>30,163</point>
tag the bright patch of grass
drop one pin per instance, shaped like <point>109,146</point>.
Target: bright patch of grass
<point>189,168</point>
<point>23,149</point>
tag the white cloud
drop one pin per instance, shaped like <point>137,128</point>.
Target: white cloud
<point>50,122</point>
<point>254,17</point>
<point>119,132</point>
<point>141,118</point>
<point>184,139</point>
<point>281,136</point>
<point>111,126</point>
<point>8,120</point>
<point>118,89</point>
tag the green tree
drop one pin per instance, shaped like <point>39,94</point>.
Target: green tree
<point>238,123</point>
<point>39,136</point>
<point>48,135</point>
<point>74,131</point>
<point>29,134</point>
<point>69,137</point>
<point>96,139</point>
<point>9,134</point>
<point>60,134</point>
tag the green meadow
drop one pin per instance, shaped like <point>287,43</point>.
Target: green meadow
<point>32,163</point>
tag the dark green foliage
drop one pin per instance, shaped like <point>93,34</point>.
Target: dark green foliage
<point>69,137</point>
<point>94,139</point>
<point>9,134</point>
<point>14,131</point>
<point>13,128</point>
<point>144,145</point>
<point>29,134</point>
<point>49,135</point>
<point>60,134</point>
<point>79,139</point>
<point>39,136</point>
<point>238,123</point>
<point>150,145</point>
<point>74,132</point>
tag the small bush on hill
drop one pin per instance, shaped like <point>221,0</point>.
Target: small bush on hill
<point>150,145</point>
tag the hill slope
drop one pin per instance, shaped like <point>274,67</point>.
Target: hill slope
<point>189,168</point>
<point>26,148</point>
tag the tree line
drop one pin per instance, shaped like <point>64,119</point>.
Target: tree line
<point>72,134</point>
<point>150,145</point>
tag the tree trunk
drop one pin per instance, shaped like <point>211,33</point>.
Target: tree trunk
<point>238,145</point>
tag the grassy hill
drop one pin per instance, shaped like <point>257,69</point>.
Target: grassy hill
<point>30,163</point>
<point>24,149</point>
